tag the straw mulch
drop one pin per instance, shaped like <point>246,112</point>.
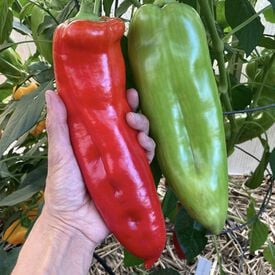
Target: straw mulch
<point>232,246</point>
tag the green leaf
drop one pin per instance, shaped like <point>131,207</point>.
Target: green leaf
<point>191,235</point>
<point>4,171</point>
<point>6,18</point>
<point>41,71</point>
<point>221,270</point>
<point>129,75</point>
<point>272,162</point>
<point>130,259</point>
<point>26,11</point>
<point>33,183</point>
<point>166,271</point>
<point>107,5</point>
<point>156,171</point>
<point>258,231</point>
<point>8,260</point>
<point>241,94</point>
<point>5,90</point>
<point>220,14</point>
<point>20,195</point>
<point>60,4</point>
<point>26,114</point>
<point>267,42</point>
<point>148,1</point>
<point>257,177</point>
<point>272,3</point>
<point>269,254</point>
<point>257,235</point>
<point>169,205</point>
<point>68,11</point>
<point>11,65</point>
<point>4,116</point>
<point>47,27</point>
<point>238,11</point>
<point>123,7</point>
<point>21,28</point>
<point>37,176</point>
<point>250,212</point>
<point>192,3</point>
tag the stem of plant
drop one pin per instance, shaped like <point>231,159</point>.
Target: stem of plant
<point>237,219</point>
<point>218,47</point>
<point>46,10</point>
<point>136,3</point>
<point>89,10</point>
<point>214,238</point>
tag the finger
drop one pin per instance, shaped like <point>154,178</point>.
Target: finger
<point>132,98</point>
<point>57,129</point>
<point>148,145</point>
<point>138,122</point>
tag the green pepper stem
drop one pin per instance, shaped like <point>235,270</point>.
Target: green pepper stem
<point>162,3</point>
<point>89,10</point>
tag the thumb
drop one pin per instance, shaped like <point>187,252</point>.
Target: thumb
<point>60,149</point>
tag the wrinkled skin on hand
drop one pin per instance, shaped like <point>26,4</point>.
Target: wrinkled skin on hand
<point>66,200</point>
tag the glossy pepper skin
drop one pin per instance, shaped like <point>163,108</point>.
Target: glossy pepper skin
<point>16,233</point>
<point>170,62</point>
<point>90,77</point>
<point>19,92</point>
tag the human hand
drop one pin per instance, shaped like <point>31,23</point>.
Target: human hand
<point>68,206</point>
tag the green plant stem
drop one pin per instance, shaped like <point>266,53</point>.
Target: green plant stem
<point>7,45</point>
<point>211,6</point>
<point>215,242</point>
<point>218,47</point>
<point>89,10</point>
<point>136,3</point>
<point>235,218</point>
<point>46,10</point>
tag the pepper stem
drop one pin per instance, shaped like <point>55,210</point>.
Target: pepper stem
<point>89,10</point>
<point>162,3</point>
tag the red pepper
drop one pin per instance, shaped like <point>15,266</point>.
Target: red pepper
<point>90,76</point>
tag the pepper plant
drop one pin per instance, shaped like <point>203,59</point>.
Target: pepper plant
<point>232,37</point>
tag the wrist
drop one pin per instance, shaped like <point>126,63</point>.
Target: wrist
<point>60,229</point>
<point>53,246</point>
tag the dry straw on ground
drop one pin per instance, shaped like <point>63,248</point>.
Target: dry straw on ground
<point>233,246</point>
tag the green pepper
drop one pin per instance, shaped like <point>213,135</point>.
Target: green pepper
<point>171,65</point>
<point>90,78</point>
